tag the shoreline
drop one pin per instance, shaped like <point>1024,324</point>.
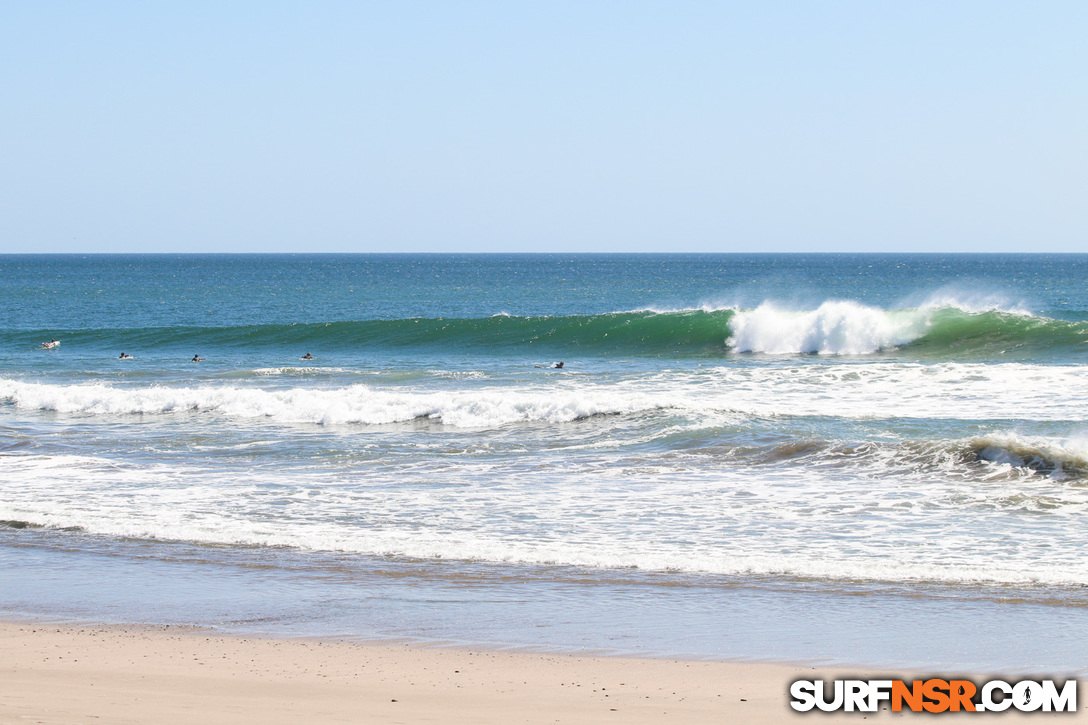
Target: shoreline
<point>174,674</point>
<point>57,579</point>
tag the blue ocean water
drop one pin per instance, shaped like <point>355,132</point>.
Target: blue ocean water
<point>729,436</point>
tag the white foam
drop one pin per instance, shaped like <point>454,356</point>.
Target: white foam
<point>355,404</point>
<point>834,328</point>
<point>892,390</point>
<point>870,390</point>
<point>299,370</point>
<point>796,526</point>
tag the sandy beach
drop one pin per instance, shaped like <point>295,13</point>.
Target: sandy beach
<point>110,674</point>
<point>169,675</point>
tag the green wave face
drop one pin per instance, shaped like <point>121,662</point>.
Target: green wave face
<point>954,332</point>
<point>679,333</point>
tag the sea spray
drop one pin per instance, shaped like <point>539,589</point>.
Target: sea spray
<point>834,328</point>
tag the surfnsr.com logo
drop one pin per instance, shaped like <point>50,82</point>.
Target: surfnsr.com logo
<point>934,695</point>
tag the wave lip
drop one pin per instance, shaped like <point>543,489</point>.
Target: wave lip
<point>1064,460</point>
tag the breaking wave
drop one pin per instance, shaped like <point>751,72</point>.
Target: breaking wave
<point>941,329</point>
<point>987,457</point>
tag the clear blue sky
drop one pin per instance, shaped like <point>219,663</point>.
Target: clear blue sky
<point>548,126</point>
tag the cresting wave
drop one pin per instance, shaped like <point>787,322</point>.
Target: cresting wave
<point>942,330</point>
<point>999,455</point>
<point>945,329</point>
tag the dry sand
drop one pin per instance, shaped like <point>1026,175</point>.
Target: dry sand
<point>117,675</point>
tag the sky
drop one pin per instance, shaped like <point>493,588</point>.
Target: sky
<point>557,126</point>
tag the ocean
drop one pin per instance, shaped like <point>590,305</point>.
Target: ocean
<point>873,459</point>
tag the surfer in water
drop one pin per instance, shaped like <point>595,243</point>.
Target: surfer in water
<point>553,366</point>
<point>197,358</point>
<point>125,356</point>
<point>307,356</point>
<point>50,345</point>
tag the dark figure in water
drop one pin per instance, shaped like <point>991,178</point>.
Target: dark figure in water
<point>307,356</point>
<point>197,358</point>
<point>553,366</point>
<point>125,356</point>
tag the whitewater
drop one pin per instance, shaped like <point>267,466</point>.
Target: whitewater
<point>757,431</point>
